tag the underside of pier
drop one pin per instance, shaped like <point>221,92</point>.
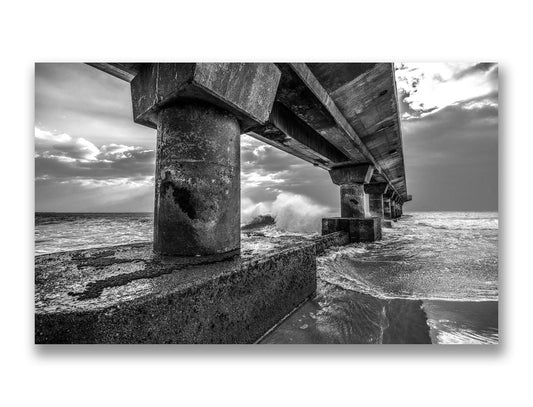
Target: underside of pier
<point>196,283</point>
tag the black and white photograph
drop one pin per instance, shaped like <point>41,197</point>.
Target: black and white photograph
<point>268,203</point>
<point>263,204</point>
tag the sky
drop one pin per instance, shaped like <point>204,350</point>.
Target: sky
<point>91,157</point>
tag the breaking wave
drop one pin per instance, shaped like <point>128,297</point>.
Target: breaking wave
<point>293,213</point>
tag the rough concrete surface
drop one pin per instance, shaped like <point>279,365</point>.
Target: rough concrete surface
<point>247,90</point>
<point>197,185</point>
<point>127,294</point>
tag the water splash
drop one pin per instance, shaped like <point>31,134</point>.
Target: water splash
<point>293,213</point>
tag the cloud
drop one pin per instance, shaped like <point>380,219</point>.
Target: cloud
<point>74,174</point>
<point>449,117</point>
<point>84,102</point>
<point>89,195</point>
<point>426,88</point>
<point>267,172</point>
<point>61,156</point>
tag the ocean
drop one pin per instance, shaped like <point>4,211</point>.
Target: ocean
<point>433,278</point>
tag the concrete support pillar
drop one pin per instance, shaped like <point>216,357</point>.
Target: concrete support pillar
<point>354,201</point>
<point>352,180</point>
<point>375,202</point>
<point>393,209</point>
<point>197,183</point>
<point>375,198</point>
<point>386,208</point>
<point>355,218</point>
<point>199,111</point>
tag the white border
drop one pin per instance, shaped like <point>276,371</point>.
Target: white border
<point>264,31</point>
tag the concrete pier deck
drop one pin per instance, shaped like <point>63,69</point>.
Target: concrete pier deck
<point>128,294</point>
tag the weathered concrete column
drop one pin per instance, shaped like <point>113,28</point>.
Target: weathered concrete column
<point>197,182</point>
<point>355,218</point>
<point>199,111</point>
<point>354,202</point>
<point>386,207</point>
<point>352,180</point>
<point>375,198</point>
<point>393,209</point>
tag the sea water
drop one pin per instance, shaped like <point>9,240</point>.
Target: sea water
<point>432,278</point>
<point>55,232</point>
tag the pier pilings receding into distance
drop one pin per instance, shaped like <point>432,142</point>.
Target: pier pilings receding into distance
<point>196,284</point>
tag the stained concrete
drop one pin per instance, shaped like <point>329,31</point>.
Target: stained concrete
<point>386,208</point>
<point>354,201</point>
<point>197,185</point>
<point>128,294</point>
<point>352,174</point>
<point>375,193</point>
<point>246,90</point>
<point>200,110</point>
<point>352,179</point>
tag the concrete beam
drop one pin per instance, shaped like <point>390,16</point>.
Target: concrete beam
<point>365,94</point>
<point>376,188</point>
<point>351,137</point>
<point>288,132</point>
<point>352,174</point>
<point>124,71</point>
<point>246,90</point>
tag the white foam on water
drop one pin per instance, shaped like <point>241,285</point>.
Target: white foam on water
<point>293,213</point>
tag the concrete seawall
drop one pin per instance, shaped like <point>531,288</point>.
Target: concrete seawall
<point>127,294</point>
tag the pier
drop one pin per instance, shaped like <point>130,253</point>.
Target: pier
<point>197,283</point>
